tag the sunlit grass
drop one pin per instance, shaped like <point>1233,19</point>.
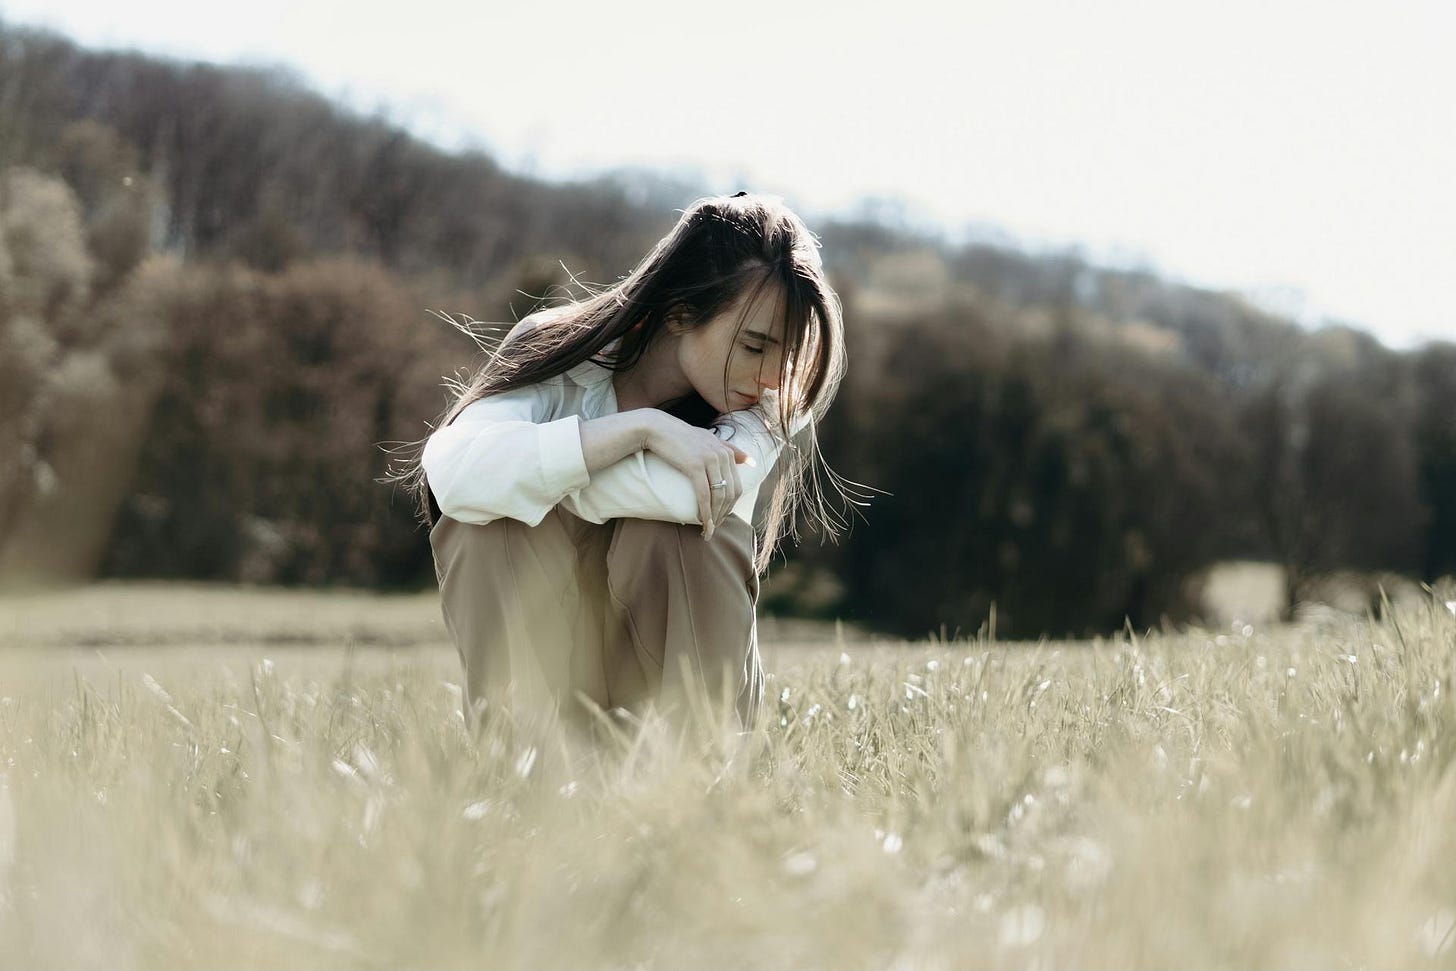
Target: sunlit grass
<point>1283,799</point>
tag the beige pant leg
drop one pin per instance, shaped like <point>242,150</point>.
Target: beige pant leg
<point>512,597</point>
<point>685,608</point>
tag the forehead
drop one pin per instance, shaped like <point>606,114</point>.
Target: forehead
<point>761,311</point>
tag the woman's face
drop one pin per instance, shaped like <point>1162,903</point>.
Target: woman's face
<point>753,357</point>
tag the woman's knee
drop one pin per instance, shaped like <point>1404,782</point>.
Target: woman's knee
<point>731,542</point>
<point>490,543</point>
<point>649,560</point>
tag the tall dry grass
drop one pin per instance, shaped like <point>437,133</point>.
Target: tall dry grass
<point>1259,799</point>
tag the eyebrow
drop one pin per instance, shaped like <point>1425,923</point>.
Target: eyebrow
<point>761,336</point>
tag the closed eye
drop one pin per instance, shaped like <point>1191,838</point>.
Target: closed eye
<point>753,350</point>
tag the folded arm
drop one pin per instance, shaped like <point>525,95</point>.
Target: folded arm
<point>644,486</point>
<point>501,459</point>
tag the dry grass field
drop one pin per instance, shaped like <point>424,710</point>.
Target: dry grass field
<point>194,777</point>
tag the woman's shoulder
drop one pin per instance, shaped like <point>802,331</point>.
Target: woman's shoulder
<point>537,318</point>
<point>588,373</point>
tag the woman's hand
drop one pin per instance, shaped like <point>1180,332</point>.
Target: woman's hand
<point>704,458</point>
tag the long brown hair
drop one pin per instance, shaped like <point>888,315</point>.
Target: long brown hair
<point>721,248</point>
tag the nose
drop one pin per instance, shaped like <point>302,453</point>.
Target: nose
<point>768,379</point>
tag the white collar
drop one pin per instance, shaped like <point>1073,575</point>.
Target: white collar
<point>589,373</point>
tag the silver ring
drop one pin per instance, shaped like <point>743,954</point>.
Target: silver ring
<point>719,485</point>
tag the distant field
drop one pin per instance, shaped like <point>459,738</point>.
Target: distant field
<point>203,778</point>
<point>148,614</point>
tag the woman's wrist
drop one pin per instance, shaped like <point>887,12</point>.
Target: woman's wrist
<point>611,438</point>
<point>648,425</point>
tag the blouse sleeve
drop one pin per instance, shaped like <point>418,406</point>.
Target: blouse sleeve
<point>500,459</point>
<point>644,486</point>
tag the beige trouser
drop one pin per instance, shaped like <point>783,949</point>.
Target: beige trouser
<point>625,613</point>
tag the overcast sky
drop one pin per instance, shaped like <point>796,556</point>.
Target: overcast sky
<point>1301,152</point>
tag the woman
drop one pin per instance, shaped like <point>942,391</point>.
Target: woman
<point>591,492</point>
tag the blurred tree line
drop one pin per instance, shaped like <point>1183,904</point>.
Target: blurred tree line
<point>212,323</point>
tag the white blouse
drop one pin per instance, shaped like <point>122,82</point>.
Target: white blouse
<point>518,453</point>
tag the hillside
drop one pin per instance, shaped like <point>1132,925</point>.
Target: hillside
<point>212,311</point>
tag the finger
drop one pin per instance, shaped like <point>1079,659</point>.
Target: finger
<point>740,457</point>
<point>728,475</point>
<point>715,475</point>
<point>733,489</point>
<point>705,505</point>
<point>735,483</point>
<point>718,494</point>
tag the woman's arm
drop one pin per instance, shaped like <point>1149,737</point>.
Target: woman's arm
<point>500,458</point>
<point>644,486</point>
<point>611,438</point>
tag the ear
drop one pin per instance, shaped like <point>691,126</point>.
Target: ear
<point>676,323</point>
